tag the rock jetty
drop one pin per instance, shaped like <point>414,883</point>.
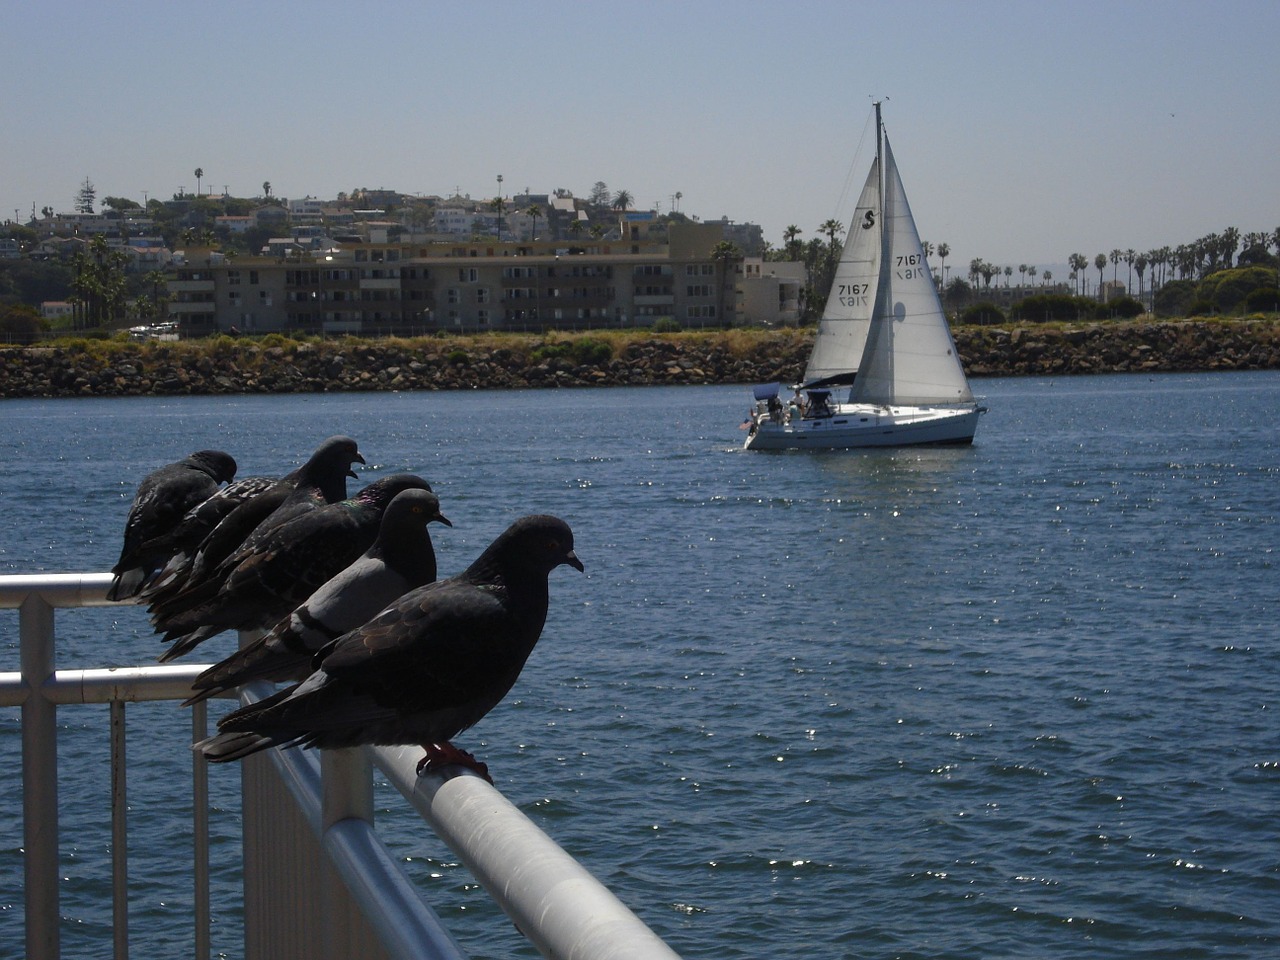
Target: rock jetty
<point>274,365</point>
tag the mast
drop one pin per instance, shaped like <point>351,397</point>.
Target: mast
<point>880,176</point>
<point>880,166</point>
<point>877,356</point>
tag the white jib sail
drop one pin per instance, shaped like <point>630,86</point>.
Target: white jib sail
<point>910,357</point>
<point>842,332</point>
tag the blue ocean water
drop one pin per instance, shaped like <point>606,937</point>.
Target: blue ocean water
<point>1016,699</point>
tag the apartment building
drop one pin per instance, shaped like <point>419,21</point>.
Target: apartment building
<point>384,288</point>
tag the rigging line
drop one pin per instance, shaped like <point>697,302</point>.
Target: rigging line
<point>856,170</point>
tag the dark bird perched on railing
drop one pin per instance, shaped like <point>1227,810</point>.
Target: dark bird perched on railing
<point>179,545</point>
<point>162,498</point>
<point>190,579</point>
<point>401,558</point>
<point>424,669</point>
<point>278,571</point>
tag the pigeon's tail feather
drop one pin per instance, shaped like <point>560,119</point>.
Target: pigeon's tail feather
<point>168,581</point>
<point>186,642</point>
<point>254,662</point>
<point>233,745</point>
<point>127,583</point>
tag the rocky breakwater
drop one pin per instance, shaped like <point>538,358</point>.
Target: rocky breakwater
<point>275,365</point>
<point>1108,347</point>
<point>107,368</point>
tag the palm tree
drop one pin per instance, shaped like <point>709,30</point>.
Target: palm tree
<point>99,283</point>
<point>1100,261</point>
<point>1078,262</point>
<point>1116,256</point>
<point>1048,275</point>
<point>789,235</point>
<point>1230,244</point>
<point>622,199</point>
<point>534,211</point>
<point>266,189</point>
<point>1022,270</point>
<point>1008,272</point>
<point>726,255</point>
<point>155,279</point>
<point>944,251</point>
<point>497,205</point>
<point>199,177</point>
<point>1031,272</point>
<point>832,228</point>
<point>1129,256</point>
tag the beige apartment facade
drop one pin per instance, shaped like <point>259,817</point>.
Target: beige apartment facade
<point>376,289</point>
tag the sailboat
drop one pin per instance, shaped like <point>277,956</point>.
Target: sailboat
<point>883,343</point>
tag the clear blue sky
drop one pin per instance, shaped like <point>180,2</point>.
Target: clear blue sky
<point>1025,131</point>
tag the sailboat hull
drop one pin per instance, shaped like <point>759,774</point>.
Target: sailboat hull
<point>854,425</point>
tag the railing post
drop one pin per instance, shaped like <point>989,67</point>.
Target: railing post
<point>346,793</point>
<point>119,835</point>
<point>200,829</point>
<point>40,780</point>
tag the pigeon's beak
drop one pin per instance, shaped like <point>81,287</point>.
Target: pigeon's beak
<point>441,518</point>
<point>572,560</point>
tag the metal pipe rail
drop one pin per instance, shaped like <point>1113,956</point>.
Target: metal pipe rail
<point>553,900</point>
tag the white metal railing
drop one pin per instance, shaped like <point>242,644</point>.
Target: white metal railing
<point>318,848</point>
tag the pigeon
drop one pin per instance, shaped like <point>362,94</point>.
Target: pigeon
<point>163,497</point>
<point>424,669</point>
<point>322,479</point>
<point>180,543</point>
<point>401,558</point>
<point>276,572</point>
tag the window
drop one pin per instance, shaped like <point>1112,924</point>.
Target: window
<point>233,278</point>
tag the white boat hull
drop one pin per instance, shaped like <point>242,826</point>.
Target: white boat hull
<point>865,425</point>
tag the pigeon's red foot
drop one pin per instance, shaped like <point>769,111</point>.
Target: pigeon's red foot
<point>446,754</point>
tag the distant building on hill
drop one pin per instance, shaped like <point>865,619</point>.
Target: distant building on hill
<point>401,288</point>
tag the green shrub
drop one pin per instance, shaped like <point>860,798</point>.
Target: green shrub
<point>1262,300</point>
<point>1125,308</point>
<point>591,351</point>
<point>982,313</point>
<point>1227,289</point>
<point>458,358</point>
<point>549,351</point>
<point>666,325</point>
<point>1174,298</point>
<point>1051,306</point>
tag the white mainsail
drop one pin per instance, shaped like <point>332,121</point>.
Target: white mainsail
<point>842,332</point>
<point>910,357</point>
